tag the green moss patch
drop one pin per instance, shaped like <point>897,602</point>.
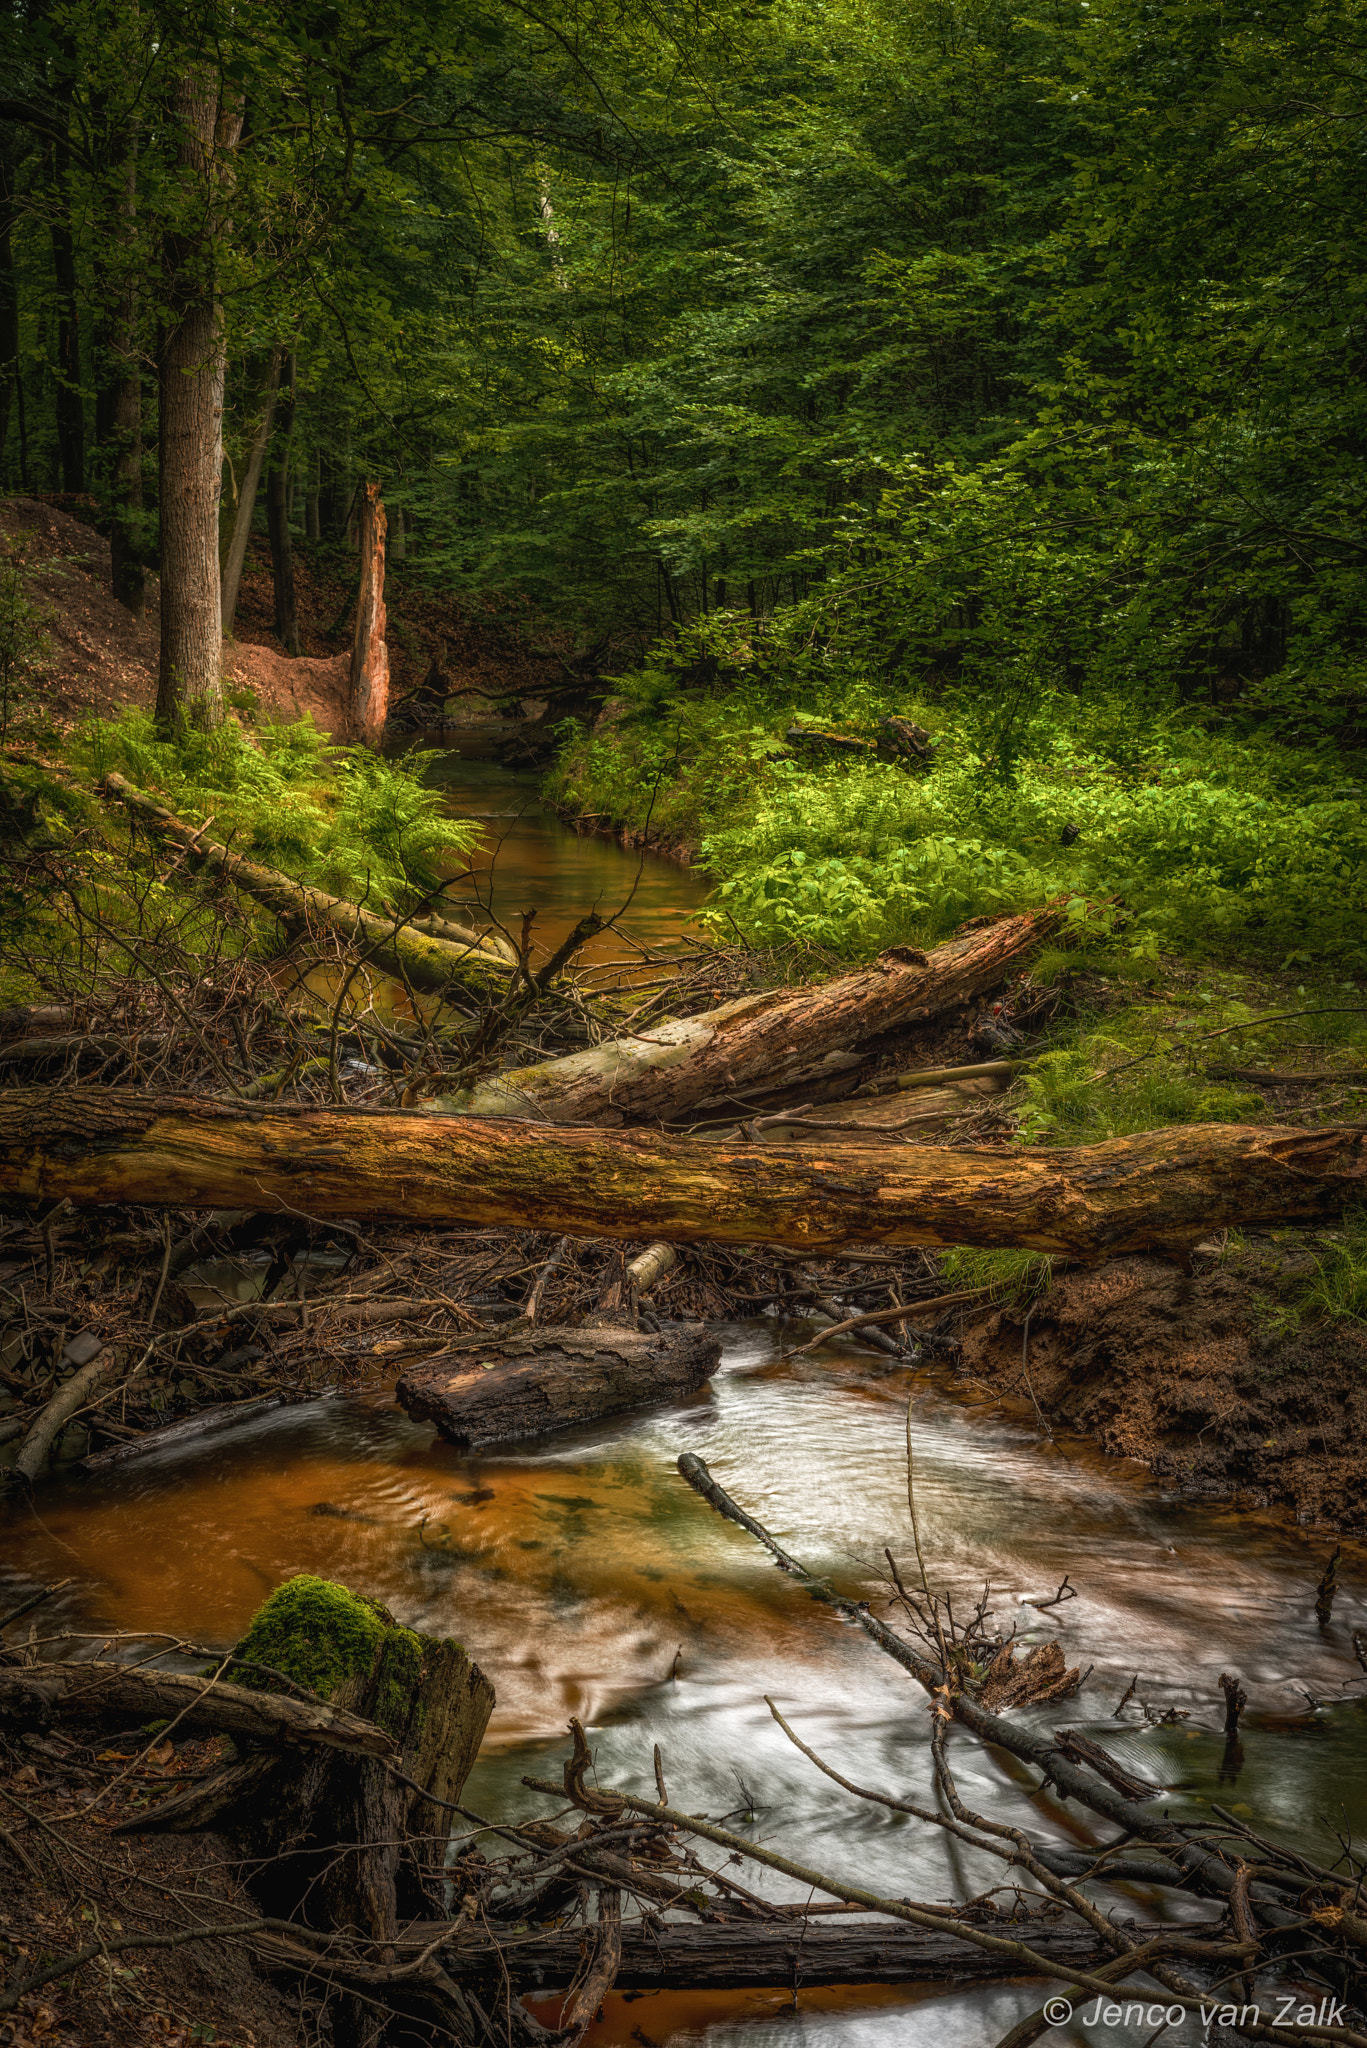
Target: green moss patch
<point>324,1637</point>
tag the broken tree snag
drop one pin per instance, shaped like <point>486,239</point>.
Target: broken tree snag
<point>433,960</point>
<point>761,1043</point>
<point>1165,1188</point>
<point>389,1837</point>
<point>369,654</point>
<point>525,1382</point>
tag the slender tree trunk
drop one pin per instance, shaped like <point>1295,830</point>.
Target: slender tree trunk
<point>277,514</point>
<point>70,403</point>
<point>398,537</point>
<point>369,654</point>
<point>312,525</point>
<point>9,303</point>
<point>190,383</point>
<point>128,576</point>
<point>246,498</point>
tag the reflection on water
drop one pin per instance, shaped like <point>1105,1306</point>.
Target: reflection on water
<point>530,860</point>
<point>587,1578</point>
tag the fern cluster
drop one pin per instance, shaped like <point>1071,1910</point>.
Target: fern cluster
<point>344,819</point>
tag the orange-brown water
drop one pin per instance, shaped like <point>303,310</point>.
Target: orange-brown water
<point>588,1579</point>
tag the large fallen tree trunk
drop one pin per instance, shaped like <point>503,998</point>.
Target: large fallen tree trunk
<point>1163,1188</point>
<point>492,1389</point>
<point>437,960</point>
<point>761,1043</point>
<point>746,1955</point>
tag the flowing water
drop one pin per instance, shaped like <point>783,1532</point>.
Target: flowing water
<point>586,1578</point>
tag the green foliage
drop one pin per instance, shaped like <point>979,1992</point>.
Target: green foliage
<point>1016,1278</point>
<point>1103,1087</point>
<point>354,823</point>
<point>326,1638</point>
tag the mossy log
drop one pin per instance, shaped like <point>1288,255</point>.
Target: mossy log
<point>42,1695</point>
<point>436,961</point>
<point>526,1382</point>
<point>764,1042</point>
<point>1165,1188</point>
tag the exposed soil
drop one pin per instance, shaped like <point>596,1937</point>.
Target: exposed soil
<point>65,1882</point>
<point>102,658</point>
<point>1182,1366</point>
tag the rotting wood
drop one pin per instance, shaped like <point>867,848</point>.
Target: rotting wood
<point>494,1388</point>
<point>1165,1188</point>
<point>432,963</point>
<point>52,1419</point>
<point>749,1955</point>
<point>35,1695</point>
<point>762,1042</point>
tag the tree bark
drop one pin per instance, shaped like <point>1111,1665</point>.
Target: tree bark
<point>70,400</point>
<point>1165,1188</point>
<point>277,514</point>
<point>246,499</point>
<point>190,374</point>
<point>9,296</point>
<point>777,1039</point>
<point>37,1695</point>
<point>745,1955</point>
<point>546,1378</point>
<point>439,959</point>
<point>369,654</point>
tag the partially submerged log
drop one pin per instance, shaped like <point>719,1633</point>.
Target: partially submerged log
<point>1164,1188</point>
<point>761,1043</point>
<point>748,1955</point>
<point>525,1382</point>
<point>435,960</point>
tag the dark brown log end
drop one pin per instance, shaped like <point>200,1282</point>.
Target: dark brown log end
<point>490,1389</point>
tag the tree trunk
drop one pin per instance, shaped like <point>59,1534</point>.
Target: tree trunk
<point>190,374</point>
<point>369,655</point>
<point>9,299</point>
<point>127,575</point>
<point>278,517</point>
<point>1165,1188</point>
<point>745,1955</point>
<point>762,1043</point>
<point>70,400</point>
<point>312,524</point>
<point>246,499</point>
<point>547,1378</point>
<point>440,959</point>
<point>398,542</point>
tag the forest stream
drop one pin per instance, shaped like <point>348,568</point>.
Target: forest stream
<point>586,1578</point>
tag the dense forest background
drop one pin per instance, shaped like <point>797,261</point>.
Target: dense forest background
<point>1002,365</point>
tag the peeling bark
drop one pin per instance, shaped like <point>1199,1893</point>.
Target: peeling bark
<point>775,1039</point>
<point>369,655</point>
<point>1165,1188</point>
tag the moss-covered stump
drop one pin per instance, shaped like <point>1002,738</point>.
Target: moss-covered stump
<point>343,1838</point>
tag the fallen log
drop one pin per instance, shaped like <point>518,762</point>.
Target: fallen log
<point>37,1695</point>
<point>763,1042</point>
<point>525,1382</point>
<point>1165,1188</point>
<point>434,962</point>
<point>753,1956</point>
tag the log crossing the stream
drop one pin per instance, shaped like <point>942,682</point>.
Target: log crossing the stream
<point>1159,1189</point>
